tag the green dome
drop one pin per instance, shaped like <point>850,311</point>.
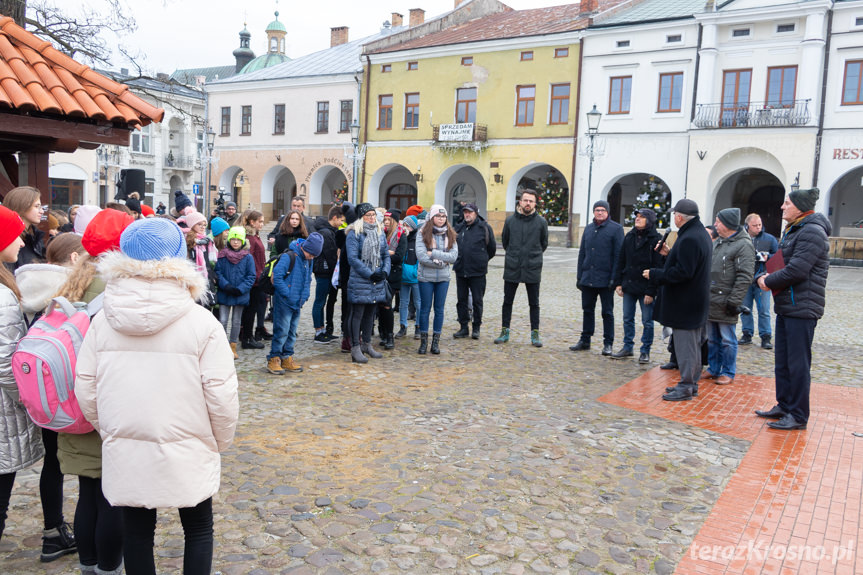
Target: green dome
<point>264,61</point>
<point>276,26</point>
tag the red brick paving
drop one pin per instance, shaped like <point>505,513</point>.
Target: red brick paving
<point>793,506</point>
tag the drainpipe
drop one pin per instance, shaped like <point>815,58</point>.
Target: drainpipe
<point>366,122</point>
<point>692,111</point>
<point>817,165</point>
<point>569,241</point>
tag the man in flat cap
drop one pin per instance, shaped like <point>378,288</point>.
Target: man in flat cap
<point>684,295</point>
<point>799,294</point>
<point>476,246</point>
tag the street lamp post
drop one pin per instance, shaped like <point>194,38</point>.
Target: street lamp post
<point>593,118</point>
<point>211,142</point>
<point>355,142</point>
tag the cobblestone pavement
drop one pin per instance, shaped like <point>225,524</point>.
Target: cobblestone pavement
<point>486,459</point>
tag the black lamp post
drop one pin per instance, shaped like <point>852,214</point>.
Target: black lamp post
<point>355,142</point>
<point>796,185</point>
<point>593,118</point>
<point>211,142</point>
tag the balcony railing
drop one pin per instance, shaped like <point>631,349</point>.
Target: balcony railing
<point>478,141</point>
<point>752,115</point>
<point>180,162</point>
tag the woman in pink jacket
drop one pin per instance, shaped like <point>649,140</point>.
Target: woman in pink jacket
<point>162,427</point>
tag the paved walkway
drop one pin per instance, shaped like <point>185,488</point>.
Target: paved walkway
<point>493,459</point>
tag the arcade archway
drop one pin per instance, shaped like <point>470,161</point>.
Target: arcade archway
<point>753,190</point>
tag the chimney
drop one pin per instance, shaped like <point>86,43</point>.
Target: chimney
<point>418,16</point>
<point>397,20</point>
<point>588,6</point>
<point>338,36</point>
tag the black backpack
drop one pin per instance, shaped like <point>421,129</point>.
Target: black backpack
<point>265,284</point>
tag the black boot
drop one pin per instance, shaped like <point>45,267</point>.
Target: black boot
<point>403,331</point>
<point>389,344</point>
<point>463,332</point>
<point>262,333</point>
<point>252,344</point>
<point>435,347</point>
<point>424,342</point>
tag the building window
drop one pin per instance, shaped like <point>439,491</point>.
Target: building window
<point>623,43</point>
<point>279,119</point>
<point>467,61</point>
<point>785,28</point>
<point>781,86</point>
<point>559,104</point>
<point>672,38</point>
<point>246,121</point>
<point>141,138</point>
<point>852,90</point>
<point>386,68</point>
<point>65,193</point>
<point>226,121</point>
<point>670,92</point>
<point>199,143</point>
<point>385,112</point>
<point>525,102</point>
<point>527,55</point>
<point>323,119</point>
<point>735,97</point>
<point>345,114</point>
<point>413,66</point>
<point>412,111</point>
<point>620,91</point>
<point>465,105</point>
<point>740,33</point>
<point>561,52</point>
<point>858,21</point>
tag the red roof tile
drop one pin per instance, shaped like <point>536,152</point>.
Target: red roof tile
<point>35,76</point>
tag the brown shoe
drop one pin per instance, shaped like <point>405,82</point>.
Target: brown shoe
<point>274,366</point>
<point>288,364</point>
<point>724,380</point>
<point>707,375</point>
<point>234,349</point>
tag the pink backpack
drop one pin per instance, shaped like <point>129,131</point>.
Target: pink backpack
<point>44,366</point>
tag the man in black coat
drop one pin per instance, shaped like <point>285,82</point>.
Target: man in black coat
<point>638,254</point>
<point>799,294</point>
<point>597,258</point>
<point>525,238</point>
<point>476,246</point>
<point>684,295</point>
<point>323,268</point>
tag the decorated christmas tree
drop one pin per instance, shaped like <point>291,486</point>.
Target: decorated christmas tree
<point>652,194</point>
<point>554,200</point>
<point>340,195</point>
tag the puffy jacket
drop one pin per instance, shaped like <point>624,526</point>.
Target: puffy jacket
<point>730,275</point>
<point>396,259</point>
<point>524,238</point>
<point>284,241</point>
<point>636,255</point>
<point>33,250</point>
<point>20,439</point>
<point>763,242</point>
<point>156,378</point>
<point>802,283</point>
<point>410,258</point>
<point>240,275</point>
<point>684,292</point>
<point>598,254</point>
<point>360,288</point>
<point>476,246</point>
<point>325,264</point>
<point>293,291</point>
<point>434,265</point>
<point>38,283</point>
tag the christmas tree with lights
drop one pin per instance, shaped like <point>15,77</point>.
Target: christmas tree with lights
<point>554,200</point>
<point>652,194</point>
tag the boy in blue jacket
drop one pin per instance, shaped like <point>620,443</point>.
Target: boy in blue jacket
<point>292,278</point>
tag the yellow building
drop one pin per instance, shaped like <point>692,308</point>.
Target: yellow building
<point>473,106</point>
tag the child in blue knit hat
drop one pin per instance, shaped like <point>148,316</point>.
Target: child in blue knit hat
<point>235,270</point>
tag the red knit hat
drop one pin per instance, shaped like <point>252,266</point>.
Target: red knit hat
<point>103,231</point>
<point>11,226</point>
<point>147,211</point>
<point>414,211</point>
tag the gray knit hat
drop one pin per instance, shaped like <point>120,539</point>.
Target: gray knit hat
<point>153,239</point>
<point>730,218</point>
<point>804,199</point>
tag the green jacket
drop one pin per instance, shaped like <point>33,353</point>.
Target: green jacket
<point>731,274</point>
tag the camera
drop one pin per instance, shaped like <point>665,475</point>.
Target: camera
<point>220,203</point>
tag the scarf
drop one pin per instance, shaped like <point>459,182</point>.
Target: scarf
<point>440,237</point>
<point>371,255</point>
<point>393,240</point>
<point>233,256</point>
<point>202,244</point>
<point>791,225</point>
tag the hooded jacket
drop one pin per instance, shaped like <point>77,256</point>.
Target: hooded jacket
<point>802,283</point>
<point>730,275</point>
<point>293,291</point>
<point>434,264</point>
<point>38,283</point>
<point>476,246</point>
<point>636,255</point>
<point>325,264</point>
<point>361,289</point>
<point>525,238</point>
<point>156,378</point>
<point>240,275</point>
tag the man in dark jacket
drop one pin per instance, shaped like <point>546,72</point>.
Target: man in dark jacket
<point>597,258</point>
<point>730,276</point>
<point>525,238</point>
<point>684,295</point>
<point>799,294</point>
<point>476,246</point>
<point>638,254</point>
<point>349,211</point>
<point>323,268</point>
<point>765,246</point>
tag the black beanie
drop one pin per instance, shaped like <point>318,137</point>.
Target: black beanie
<point>181,201</point>
<point>395,214</point>
<point>602,204</point>
<point>349,212</point>
<point>804,199</point>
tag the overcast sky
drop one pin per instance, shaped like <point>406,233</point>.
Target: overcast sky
<point>196,33</point>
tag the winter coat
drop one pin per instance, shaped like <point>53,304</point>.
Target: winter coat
<point>20,439</point>
<point>396,259</point>
<point>524,238</point>
<point>361,289</point>
<point>33,250</point>
<point>636,255</point>
<point>344,264</point>
<point>684,282</point>
<point>477,246</point>
<point>38,283</point>
<point>259,254</point>
<point>311,226</point>
<point>293,291</point>
<point>283,242</point>
<point>730,275</point>
<point>410,259</point>
<point>802,283</point>
<point>598,254</point>
<point>240,275</point>
<point>764,243</point>
<point>156,378</point>
<point>434,265</point>
<point>325,264</point>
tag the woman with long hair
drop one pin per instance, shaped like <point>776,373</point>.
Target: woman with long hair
<point>26,202</point>
<point>201,249</point>
<point>397,245</point>
<point>436,252</point>
<point>293,227</point>
<point>369,257</point>
<point>253,221</point>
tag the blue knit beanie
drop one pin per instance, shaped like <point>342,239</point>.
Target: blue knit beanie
<point>153,239</point>
<point>218,225</point>
<point>314,244</point>
<point>181,201</point>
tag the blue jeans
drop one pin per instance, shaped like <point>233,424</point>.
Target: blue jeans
<point>722,348</point>
<point>432,293</point>
<point>405,298</point>
<point>285,322</point>
<point>322,290</point>
<point>629,322</point>
<point>761,298</point>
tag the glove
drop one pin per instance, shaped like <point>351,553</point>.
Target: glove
<point>731,309</point>
<point>377,276</point>
<point>231,290</point>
